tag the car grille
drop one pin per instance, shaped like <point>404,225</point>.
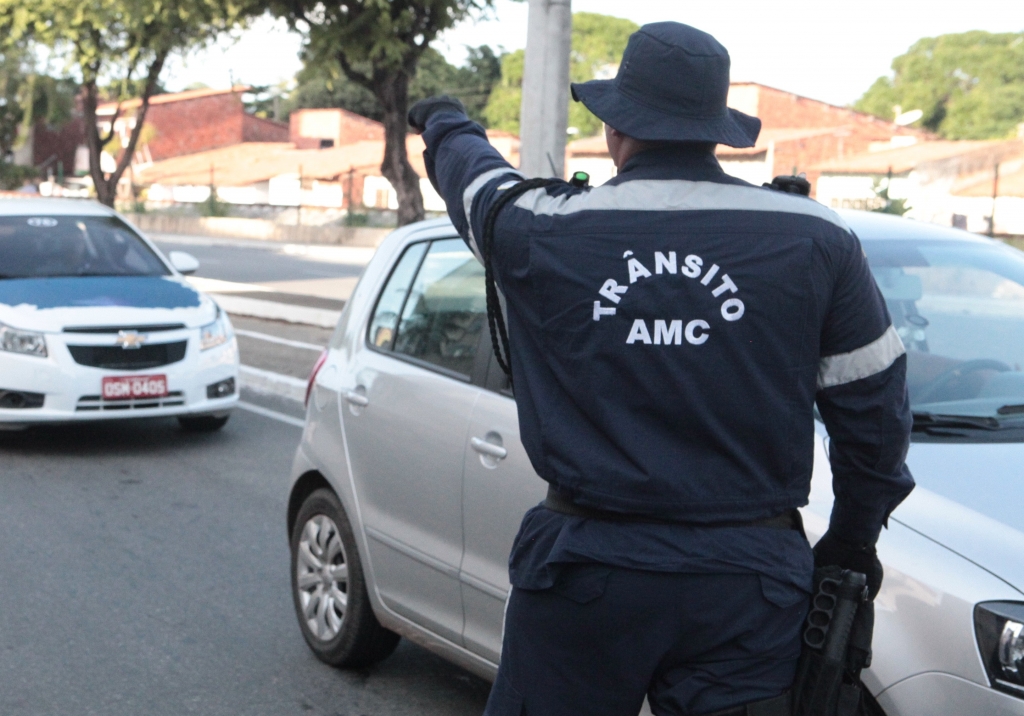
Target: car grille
<point>117,358</point>
<point>118,329</point>
<point>96,402</point>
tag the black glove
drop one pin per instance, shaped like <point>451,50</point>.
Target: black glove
<point>832,550</point>
<point>422,110</point>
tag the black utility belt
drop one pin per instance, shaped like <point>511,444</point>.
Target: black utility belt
<point>556,502</point>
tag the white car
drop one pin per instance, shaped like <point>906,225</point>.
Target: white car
<point>411,481</point>
<point>95,323</point>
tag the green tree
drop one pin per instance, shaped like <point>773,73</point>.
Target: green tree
<point>120,44</point>
<point>891,206</point>
<point>325,84</point>
<point>969,85</point>
<point>29,95</point>
<point>598,42</point>
<point>378,44</point>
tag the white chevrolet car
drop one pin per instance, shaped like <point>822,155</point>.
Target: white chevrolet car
<point>95,323</point>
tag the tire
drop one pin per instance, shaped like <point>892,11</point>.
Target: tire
<point>202,423</point>
<point>343,635</point>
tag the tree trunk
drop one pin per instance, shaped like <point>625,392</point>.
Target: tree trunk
<point>95,144</point>
<point>393,93</point>
<point>106,184</point>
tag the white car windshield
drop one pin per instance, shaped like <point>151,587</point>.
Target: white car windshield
<point>50,246</point>
<point>959,308</point>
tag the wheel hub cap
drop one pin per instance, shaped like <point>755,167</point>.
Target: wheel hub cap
<point>322,577</point>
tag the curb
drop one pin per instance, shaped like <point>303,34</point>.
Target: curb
<point>265,381</point>
<point>272,310</point>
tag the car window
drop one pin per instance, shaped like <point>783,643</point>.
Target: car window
<point>389,305</point>
<point>446,309</point>
<point>49,246</point>
<point>959,309</point>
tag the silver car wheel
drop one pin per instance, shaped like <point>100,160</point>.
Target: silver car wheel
<point>322,577</point>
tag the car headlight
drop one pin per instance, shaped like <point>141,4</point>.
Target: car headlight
<point>29,343</point>
<point>213,334</point>
<point>1000,630</point>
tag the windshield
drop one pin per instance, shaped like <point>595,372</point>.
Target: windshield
<point>48,246</point>
<point>959,308</point>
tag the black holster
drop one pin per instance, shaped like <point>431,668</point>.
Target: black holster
<point>836,647</point>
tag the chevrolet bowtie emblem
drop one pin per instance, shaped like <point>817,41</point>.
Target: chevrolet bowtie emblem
<point>130,340</point>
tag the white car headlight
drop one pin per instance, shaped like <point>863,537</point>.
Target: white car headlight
<point>1000,631</point>
<point>29,343</point>
<point>213,334</point>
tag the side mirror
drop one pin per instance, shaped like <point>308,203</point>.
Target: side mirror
<point>184,262</point>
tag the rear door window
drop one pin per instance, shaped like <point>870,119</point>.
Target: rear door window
<point>446,309</point>
<point>392,298</point>
<point>440,313</point>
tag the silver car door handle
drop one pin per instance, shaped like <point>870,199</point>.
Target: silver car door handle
<point>490,449</point>
<point>356,398</point>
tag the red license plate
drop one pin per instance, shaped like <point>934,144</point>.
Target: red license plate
<point>128,387</point>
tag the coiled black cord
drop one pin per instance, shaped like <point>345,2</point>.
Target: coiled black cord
<point>495,319</point>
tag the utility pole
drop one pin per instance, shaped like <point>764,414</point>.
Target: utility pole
<point>995,195</point>
<point>544,115</point>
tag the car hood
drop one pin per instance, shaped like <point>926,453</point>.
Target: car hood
<point>51,304</point>
<point>970,498</point>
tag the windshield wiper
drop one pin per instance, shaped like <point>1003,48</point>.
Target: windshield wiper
<point>926,421</point>
<point>1011,410</point>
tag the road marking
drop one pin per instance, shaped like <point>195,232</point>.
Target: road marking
<point>280,341</point>
<point>266,381</point>
<point>216,285</point>
<point>272,414</point>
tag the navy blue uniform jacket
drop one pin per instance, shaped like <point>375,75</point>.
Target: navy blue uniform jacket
<point>671,331</point>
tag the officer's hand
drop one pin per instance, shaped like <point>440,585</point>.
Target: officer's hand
<point>422,110</point>
<point>832,550</point>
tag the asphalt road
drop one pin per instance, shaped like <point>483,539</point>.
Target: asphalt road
<point>146,571</point>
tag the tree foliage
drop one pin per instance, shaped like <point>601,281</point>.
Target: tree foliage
<point>29,95</point>
<point>598,42</point>
<point>378,45</point>
<point>122,44</point>
<point>969,85</point>
<point>325,85</point>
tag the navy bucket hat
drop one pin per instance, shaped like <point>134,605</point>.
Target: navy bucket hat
<point>672,86</point>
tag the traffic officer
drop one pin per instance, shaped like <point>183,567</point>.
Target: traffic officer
<point>670,333</point>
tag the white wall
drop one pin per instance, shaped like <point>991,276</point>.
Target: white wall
<point>285,190</point>
<point>756,171</point>
<point>857,191</point>
<point>600,169</point>
<point>379,194</point>
<point>977,209</point>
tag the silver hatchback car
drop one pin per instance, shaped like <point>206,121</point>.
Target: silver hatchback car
<point>410,481</point>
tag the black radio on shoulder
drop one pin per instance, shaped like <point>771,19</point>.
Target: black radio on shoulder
<point>790,184</point>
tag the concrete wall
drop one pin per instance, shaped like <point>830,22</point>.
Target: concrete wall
<point>259,229</point>
<point>308,126</point>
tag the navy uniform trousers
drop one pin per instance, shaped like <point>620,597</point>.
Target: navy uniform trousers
<point>602,638</point>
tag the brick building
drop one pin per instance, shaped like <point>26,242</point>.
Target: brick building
<point>188,122</point>
<point>797,134</point>
<point>285,174</point>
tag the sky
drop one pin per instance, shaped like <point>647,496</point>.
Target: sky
<point>831,50</point>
